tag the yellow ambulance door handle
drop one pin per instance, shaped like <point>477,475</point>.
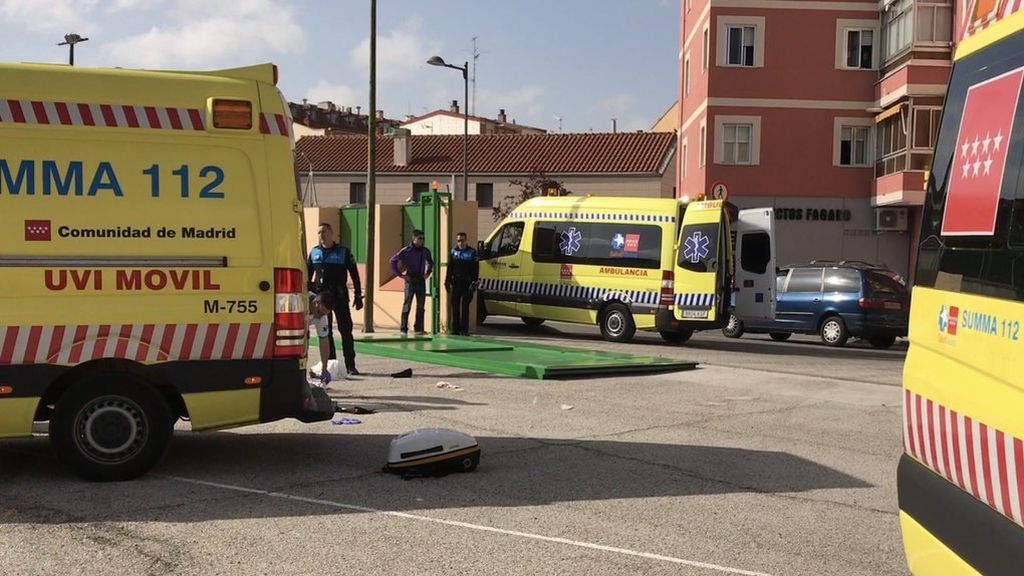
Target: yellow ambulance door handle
<point>513,266</point>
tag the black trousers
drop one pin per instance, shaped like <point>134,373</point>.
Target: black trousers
<point>343,312</point>
<point>459,297</point>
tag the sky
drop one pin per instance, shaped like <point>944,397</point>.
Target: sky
<point>574,63</point>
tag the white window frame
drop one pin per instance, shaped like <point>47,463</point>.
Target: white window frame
<point>705,47</point>
<point>686,75</point>
<point>869,144</point>
<point>724,23</point>
<point>721,124</point>
<point>702,151</point>
<point>919,7</point>
<point>844,27</point>
<point>686,147</point>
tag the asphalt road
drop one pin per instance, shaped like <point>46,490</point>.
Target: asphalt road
<point>769,459</point>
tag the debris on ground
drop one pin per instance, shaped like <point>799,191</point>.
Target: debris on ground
<point>443,385</point>
<point>567,406</point>
<point>346,422</point>
<point>407,373</point>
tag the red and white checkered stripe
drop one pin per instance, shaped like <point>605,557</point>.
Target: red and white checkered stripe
<point>99,115</point>
<point>1003,9</point>
<point>147,343</point>
<point>275,124</point>
<point>982,461</point>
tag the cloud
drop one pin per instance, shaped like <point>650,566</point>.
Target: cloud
<point>58,16</point>
<point>340,94</point>
<point>524,102</point>
<point>617,104</point>
<point>211,33</point>
<point>400,53</point>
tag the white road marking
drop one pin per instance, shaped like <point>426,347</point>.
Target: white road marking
<point>467,525</point>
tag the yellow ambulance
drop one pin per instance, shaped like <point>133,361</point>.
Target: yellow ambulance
<point>624,264</point>
<point>151,260</point>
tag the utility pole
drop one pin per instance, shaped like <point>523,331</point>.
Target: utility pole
<point>371,179</point>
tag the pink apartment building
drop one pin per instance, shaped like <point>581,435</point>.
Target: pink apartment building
<point>826,111</point>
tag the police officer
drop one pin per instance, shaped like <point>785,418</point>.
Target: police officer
<point>460,281</point>
<point>330,267</point>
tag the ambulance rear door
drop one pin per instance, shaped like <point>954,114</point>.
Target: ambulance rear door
<point>701,271</point>
<point>754,296</point>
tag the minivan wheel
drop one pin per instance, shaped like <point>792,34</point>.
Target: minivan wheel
<point>779,336</point>
<point>734,328</point>
<point>617,324</point>
<point>676,337</point>
<point>110,427</point>
<point>833,331</point>
<point>882,342</point>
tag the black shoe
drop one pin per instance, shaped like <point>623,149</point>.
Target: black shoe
<point>353,372</point>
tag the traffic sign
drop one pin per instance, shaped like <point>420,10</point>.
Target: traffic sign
<point>719,191</point>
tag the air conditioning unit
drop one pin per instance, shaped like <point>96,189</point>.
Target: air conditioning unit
<point>891,219</point>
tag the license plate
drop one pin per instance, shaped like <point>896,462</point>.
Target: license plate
<point>893,306</point>
<point>695,313</point>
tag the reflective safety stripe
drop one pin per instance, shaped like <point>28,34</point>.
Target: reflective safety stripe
<point>145,343</point>
<point>100,115</point>
<point>984,462</point>
<point>577,217</point>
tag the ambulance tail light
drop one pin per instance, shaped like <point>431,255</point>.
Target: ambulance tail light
<point>232,114</point>
<point>667,297</point>
<point>290,302</point>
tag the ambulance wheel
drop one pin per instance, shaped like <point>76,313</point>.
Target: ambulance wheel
<point>676,337</point>
<point>833,332</point>
<point>734,328</point>
<point>532,321</point>
<point>469,463</point>
<point>481,311</point>
<point>110,427</point>
<point>617,324</point>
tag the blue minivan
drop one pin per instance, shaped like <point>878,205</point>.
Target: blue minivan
<point>835,300</point>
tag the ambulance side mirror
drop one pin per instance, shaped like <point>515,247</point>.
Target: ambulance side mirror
<point>481,250</point>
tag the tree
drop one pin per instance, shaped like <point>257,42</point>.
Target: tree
<point>536,184</point>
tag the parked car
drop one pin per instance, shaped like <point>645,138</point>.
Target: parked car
<point>835,300</point>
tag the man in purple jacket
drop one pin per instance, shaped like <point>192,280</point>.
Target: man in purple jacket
<point>414,265</point>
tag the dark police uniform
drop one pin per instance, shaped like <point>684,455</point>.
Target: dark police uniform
<point>330,269</point>
<point>463,272</point>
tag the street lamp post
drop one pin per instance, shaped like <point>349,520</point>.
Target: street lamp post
<point>70,40</point>
<point>438,61</point>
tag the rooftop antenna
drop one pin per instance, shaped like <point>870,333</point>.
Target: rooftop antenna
<point>476,56</point>
<point>559,118</point>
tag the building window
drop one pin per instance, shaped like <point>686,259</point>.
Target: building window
<point>485,195</point>
<point>703,144</point>
<point>736,143</point>
<point>705,49</point>
<point>737,140</point>
<point>685,157</point>
<point>357,193</point>
<point>891,140</point>
<point>686,76</point>
<point>926,126</point>
<point>934,23</point>
<point>860,47</point>
<point>740,45</point>
<point>853,146</point>
<point>897,25</point>
<point>418,190</point>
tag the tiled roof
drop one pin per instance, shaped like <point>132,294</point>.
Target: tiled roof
<point>621,153</point>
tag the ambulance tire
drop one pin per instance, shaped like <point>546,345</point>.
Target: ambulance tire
<point>678,337</point>
<point>481,310</point>
<point>110,427</point>
<point>617,323</point>
<point>532,321</point>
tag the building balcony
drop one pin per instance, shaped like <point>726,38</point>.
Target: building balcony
<point>902,188</point>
